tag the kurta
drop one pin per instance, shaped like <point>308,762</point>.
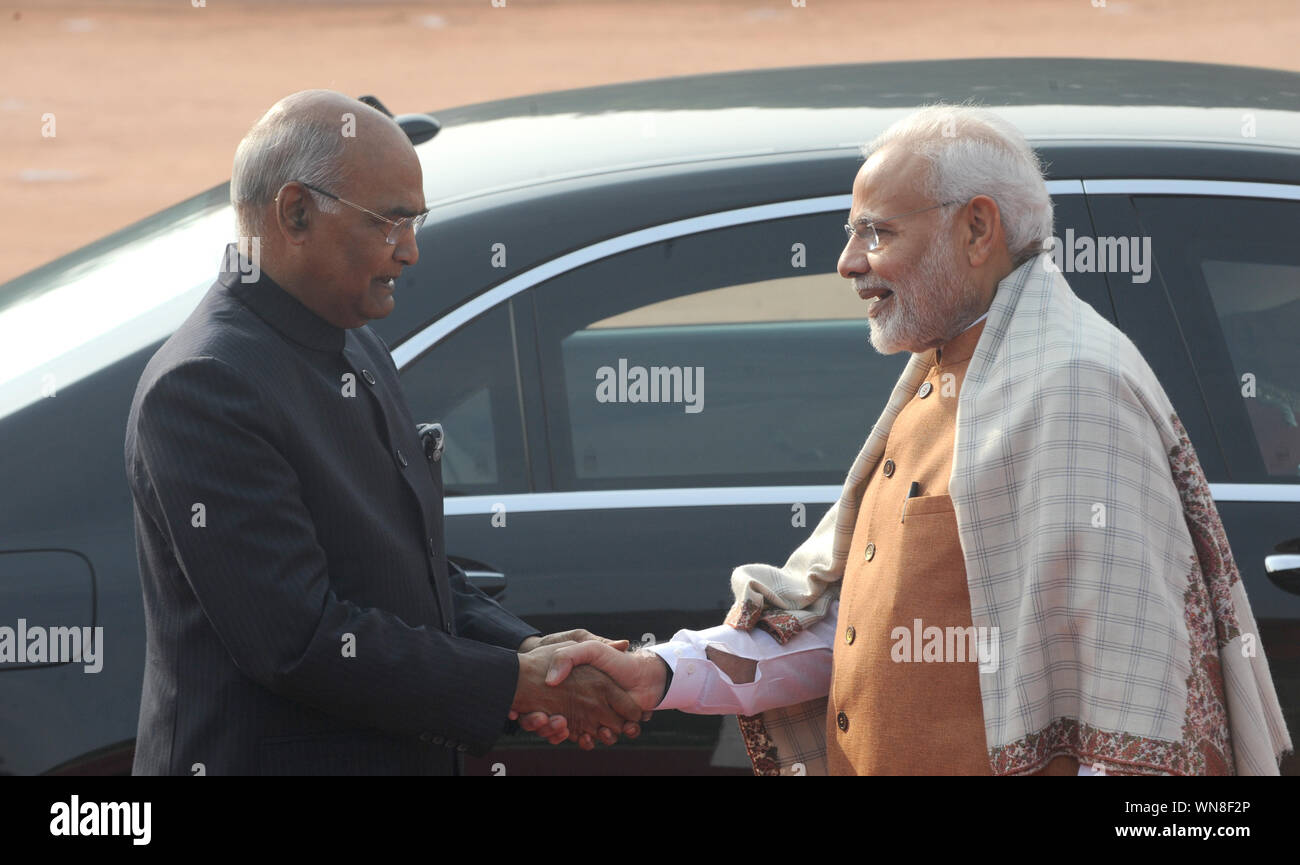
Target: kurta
<point>894,710</point>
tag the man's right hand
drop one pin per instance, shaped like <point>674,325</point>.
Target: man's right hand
<point>644,674</point>
<point>588,701</point>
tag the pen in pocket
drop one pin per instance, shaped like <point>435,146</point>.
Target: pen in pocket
<point>912,492</point>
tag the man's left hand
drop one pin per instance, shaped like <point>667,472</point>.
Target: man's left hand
<point>577,635</point>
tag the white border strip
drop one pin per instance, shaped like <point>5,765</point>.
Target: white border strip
<point>1255,492</point>
<point>712,497</point>
<point>1218,188</point>
<point>600,500</point>
<point>421,342</point>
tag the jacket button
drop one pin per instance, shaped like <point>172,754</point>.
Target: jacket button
<point>447,625</point>
<point>849,635</point>
<point>433,551</point>
<point>888,468</point>
<point>925,390</point>
<point>401,457</point>
<point>843,721</point>
<point>368,376</point>
<point>870,552</point>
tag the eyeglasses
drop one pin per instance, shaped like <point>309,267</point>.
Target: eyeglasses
<point>867,230</point>
<point>398,226</point>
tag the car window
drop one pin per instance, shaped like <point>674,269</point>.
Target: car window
<point>469,384</point>
<point>726,358</point>
<point>1071,221</point>
<point>1233,268</point>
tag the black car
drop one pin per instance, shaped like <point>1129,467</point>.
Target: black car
<point>682,233</point>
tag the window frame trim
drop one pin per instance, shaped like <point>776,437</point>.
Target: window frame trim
<point>423,340</point>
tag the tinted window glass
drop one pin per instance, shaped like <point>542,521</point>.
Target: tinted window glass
<point>732,357</point>
<point>1232,267</point>
<point>1258,306</point>
<point>468,383</point>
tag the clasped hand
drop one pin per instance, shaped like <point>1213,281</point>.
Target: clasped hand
<point>575,686</point>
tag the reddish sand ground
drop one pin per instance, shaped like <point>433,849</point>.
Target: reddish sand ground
<point>150,97</point>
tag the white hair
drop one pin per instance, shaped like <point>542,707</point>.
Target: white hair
<point>972,151</point>
<point>281,147</point>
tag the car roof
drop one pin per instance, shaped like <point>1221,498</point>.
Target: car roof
<point>512,143</point>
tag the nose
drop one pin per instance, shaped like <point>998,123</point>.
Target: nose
<point>853,260</point>
<point>407,249</point>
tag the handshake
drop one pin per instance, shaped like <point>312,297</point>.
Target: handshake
<point>577,687</point>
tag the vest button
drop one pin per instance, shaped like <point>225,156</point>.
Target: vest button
<point>849,635</point>
<point>843,721</point>
<point>888,468</point>
<point>870,552</point>
<point>925,390</point>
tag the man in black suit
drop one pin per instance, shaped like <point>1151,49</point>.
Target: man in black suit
<point>300,615</point>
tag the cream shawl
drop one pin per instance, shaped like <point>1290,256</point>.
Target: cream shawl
<point>1091,544</point>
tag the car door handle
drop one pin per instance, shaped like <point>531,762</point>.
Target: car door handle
<point>1284,570</point>
<point>491,583</point>
<point>1282,563</point>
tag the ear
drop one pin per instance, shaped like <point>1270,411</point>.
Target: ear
<point>293,213</point>
<point>983,225</point>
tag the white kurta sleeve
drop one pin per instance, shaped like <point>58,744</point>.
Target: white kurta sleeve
<point>786,675</point>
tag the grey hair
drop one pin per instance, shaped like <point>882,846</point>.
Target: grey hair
<point>972,151</point>
<point>281,147</point>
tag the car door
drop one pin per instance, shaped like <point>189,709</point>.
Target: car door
<point>1220,322</point>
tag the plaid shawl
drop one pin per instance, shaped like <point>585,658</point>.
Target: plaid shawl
<point>1092,544</point>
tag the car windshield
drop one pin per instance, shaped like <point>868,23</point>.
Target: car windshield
<point>60,323</point>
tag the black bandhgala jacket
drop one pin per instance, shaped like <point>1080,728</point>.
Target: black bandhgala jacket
<point>300,615</point>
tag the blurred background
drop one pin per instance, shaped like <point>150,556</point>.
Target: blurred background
<point>150,97</point>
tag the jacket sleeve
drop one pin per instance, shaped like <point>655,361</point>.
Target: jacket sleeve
<point>228,503</point>
<point>478,617</point>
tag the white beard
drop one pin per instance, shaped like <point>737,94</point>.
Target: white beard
<point>931,304</point>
